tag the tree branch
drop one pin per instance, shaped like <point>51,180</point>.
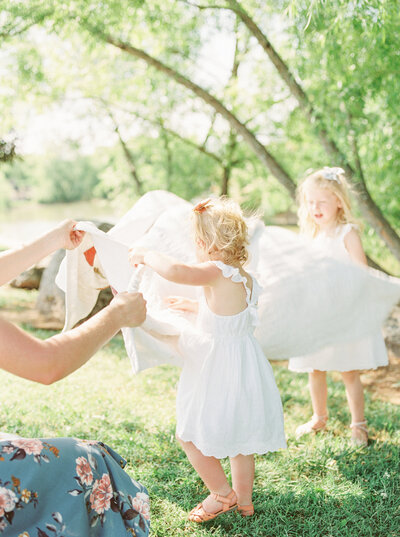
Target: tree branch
<point>127,152</point>
<point>263,154</point>
<point>13,31</point>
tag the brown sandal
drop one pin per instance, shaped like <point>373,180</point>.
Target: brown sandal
<point>199,514</point>
<point>245,510</point>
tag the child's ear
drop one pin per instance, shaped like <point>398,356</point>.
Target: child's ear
<point>200,243</point>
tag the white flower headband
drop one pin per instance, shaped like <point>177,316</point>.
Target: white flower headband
<point>332,174</point>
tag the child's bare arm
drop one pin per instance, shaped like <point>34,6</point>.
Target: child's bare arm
<point>173,270</point>
<point>181,303</point>
<point>353,245</point>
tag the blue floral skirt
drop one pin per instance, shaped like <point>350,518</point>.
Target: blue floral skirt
<point>62,487</point>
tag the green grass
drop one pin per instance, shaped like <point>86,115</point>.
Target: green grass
<point>318,487</point>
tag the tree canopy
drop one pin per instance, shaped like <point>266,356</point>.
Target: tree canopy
<point>241,96</point>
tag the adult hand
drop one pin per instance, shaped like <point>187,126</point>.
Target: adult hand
<point>68,236</point>
<point>129,309</point>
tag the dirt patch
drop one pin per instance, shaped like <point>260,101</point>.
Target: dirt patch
<point>384,382</point>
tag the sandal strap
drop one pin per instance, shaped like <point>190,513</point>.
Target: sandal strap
<point>199,514</point>
<point>322,418</point>
<point>246,508</point>
<point>359,425</point>
<point>225,500</point>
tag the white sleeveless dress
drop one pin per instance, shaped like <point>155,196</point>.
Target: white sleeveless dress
<point>367,353</point>
<point>228,402</point>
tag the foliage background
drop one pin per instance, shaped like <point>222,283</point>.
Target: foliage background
<point>131,128</point>
<point>109,126</point>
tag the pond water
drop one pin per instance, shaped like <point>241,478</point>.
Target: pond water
<point>27,220</point>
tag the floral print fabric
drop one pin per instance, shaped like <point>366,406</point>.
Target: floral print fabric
<point>63,486</point>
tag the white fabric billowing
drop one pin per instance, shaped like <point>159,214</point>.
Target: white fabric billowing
<point>146,225</point>
<point>228,402</point>
<point>366,353</point>
<point>309,300</point>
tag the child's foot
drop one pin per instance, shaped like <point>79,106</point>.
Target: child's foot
<point>213,506</point>
<point>359,433</point>
<point>316,423</point>
<point>246,510</point>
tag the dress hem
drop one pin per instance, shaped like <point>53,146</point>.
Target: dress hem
<point>257,451</point>
<point>311,369</point>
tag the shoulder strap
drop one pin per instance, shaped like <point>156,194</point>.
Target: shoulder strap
<point>345,229</point>
<point>233,273</point>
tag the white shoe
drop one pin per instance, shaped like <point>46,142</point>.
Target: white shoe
<point>359,436</point>
<point>316,424</point>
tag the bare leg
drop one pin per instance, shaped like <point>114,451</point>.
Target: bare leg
<point>210,471</point>
<point>242,467</point>
<point>319,392</point>
<point>355,398</point>
<point>319,399</point>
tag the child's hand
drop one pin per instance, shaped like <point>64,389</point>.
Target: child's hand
<point>136,256</point>
<point>180,303</point>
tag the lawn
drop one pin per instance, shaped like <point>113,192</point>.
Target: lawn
<point>318,487</point>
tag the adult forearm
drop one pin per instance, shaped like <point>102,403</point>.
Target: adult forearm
<point>13,262</point>
<point>68,351</point>
<point>49,360</point>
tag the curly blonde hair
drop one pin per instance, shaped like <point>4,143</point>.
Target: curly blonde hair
<point>334,180</point>
<point>220,224</point>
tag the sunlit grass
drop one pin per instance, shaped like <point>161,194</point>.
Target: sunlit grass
<point>318,487</point>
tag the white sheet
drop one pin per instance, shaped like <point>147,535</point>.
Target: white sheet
<point>308,301</point>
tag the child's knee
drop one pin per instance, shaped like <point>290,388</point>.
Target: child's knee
<point>317,374</point>
<point>351,376</point>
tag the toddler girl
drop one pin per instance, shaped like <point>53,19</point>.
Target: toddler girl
<point>325,216</point>
<point>228,404</point>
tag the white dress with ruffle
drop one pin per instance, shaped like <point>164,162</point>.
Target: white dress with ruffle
<point>366,353</point>
<point>228,402</point>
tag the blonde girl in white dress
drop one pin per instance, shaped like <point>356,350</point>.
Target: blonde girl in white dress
<point>228,404</point>
<point>325,216</point>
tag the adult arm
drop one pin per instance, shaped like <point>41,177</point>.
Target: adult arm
<point>47,361</point>
<point>13,262</point>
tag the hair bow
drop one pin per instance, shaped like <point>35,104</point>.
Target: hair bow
<point>202,206</point>
<point>332,174</point>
